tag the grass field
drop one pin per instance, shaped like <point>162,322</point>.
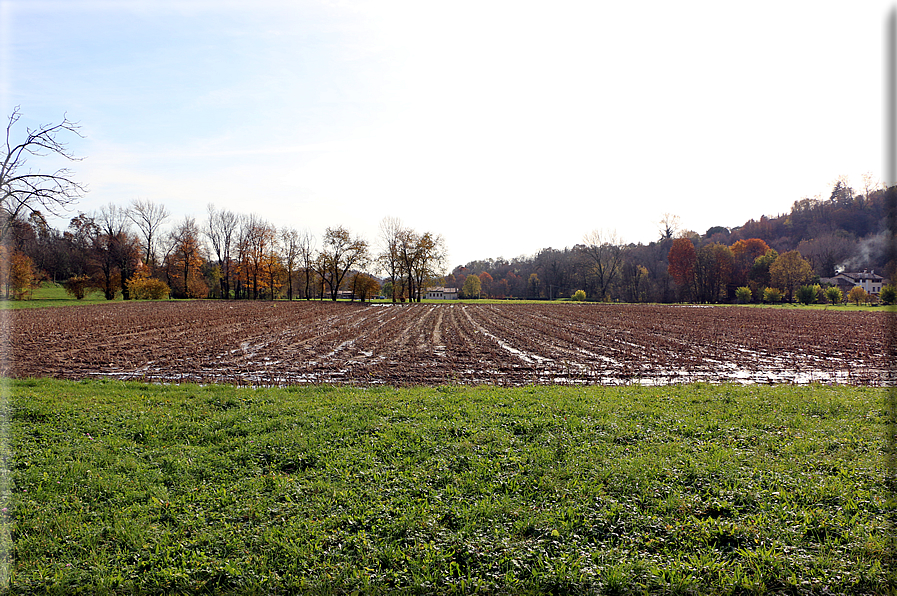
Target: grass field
<point>50,294</point>
<point>126,488</point>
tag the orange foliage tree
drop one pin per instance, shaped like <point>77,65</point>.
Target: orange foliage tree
<point>682,259</point>
<point>185,261</point>
<point>485,284</point>
<point>745,252</point>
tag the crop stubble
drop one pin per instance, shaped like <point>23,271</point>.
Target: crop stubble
<point>287,343</point>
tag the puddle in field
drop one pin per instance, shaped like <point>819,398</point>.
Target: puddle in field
<point>518,375</point>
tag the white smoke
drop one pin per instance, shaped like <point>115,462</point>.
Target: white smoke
<point>871,252</point>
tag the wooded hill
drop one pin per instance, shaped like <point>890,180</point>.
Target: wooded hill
<point>846,231</point>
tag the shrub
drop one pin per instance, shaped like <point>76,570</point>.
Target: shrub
<point>143,287</point>
<point>77,286</point>
<point>858,295</point>
<point>888,294</point>
<point>807,294</point>
<point>834,295</point>
<point>772,295</point>
<point>579,296</point>
<point>743,295</point>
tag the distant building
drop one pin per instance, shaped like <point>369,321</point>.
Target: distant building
<point>441,293</point>
<point>847,281</point>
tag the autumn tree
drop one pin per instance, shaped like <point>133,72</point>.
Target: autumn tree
<point>682,259</point>
<point>759,276</point>
<point>340,253</point>
<point>744,253</point>
<point>185,259</point>
<point>428,263</point>
<point>471,287</point>
<point>858,295</point>
<point>143,287</point>
<point>364,286</point>
<point>23,189</point>
<point>834,295</point>
<point>486,284</point>
<point>713,270</point>
<point>417,260</point>
<point>22,277</point>
<point>790,271</point>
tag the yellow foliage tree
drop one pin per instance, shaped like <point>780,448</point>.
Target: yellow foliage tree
<point>858,295</point>
<point>143,287</point>
<point>790,271</point>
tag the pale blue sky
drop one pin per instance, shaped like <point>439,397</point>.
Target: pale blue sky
<point>506,127</point>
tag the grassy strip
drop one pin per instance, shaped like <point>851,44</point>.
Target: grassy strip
<point>127,488</point>
<point>50,294</point>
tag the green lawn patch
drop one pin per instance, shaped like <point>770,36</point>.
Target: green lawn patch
<point>50,294</point>
<point>128,488</point>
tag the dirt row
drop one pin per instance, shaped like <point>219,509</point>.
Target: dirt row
<point>282,343</point>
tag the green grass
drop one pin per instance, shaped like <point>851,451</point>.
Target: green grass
<point>127,488</point>
<point>50,294</point>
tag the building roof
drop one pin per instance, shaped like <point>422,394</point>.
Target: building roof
<point>861,276</point>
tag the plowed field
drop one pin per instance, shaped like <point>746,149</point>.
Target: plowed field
<point>507,344</point>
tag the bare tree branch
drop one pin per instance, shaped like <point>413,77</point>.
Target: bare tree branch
<point>22,190</point>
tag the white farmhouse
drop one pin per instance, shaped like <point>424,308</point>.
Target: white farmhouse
<point>867,280</point>
<point>440,293</point>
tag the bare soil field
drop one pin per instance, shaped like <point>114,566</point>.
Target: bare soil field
<point>283,343</point>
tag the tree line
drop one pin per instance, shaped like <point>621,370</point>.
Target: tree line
<point>130,251</point>
<point>137,252</point>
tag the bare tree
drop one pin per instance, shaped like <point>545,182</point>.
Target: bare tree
<point>291,243</point>
<point>24,190</point>
<point>307,252</point>
<point>605,251</point>
<point>118,247</point>
<point>389,259</point>
<point>669,225</point>
<point>221,232</point>
<point>258,236</point>
<point>870,184</point>
<point>148,217</point>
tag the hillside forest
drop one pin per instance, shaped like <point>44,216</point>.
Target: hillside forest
<point>136,251</point>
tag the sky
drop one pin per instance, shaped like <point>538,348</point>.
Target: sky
<point>505,127</point>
